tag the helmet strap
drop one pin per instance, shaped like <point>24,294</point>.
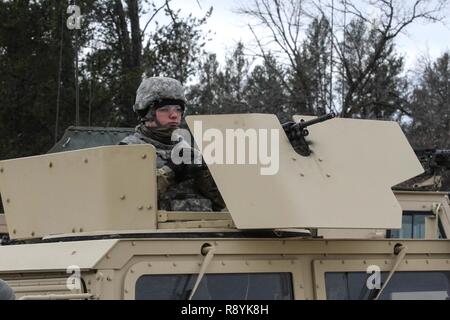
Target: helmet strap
<point>148,115</point>
<point>155,119</point>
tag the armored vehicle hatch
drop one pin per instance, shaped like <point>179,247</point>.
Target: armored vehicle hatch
<point>345,183</point>
<point>353,163</point>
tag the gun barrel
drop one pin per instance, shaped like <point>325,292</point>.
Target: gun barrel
<point>443,153</point>
<point>320,119</point>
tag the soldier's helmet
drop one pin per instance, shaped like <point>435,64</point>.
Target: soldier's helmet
<point>156,92</point>
<point>6,293</point>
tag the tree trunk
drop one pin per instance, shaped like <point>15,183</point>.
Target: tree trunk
<point>136,39</point>
<point>122,32</point>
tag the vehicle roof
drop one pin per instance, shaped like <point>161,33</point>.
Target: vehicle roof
<point>76,138</point>
<point>114,254</point>
<point>54,256</point>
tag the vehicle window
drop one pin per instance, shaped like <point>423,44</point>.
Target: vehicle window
<point>413,226</point>
<point>403,286</point>
<point>242,286</point>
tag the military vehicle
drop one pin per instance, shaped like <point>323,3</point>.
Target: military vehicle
<point>83,221</point>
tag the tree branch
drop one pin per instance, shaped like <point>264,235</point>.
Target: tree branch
<point>152,17</point>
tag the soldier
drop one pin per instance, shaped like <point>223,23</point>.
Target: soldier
<point>6,293</point>
<point>161,105</point>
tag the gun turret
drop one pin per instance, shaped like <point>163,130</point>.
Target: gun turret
<point>436,164</point>
<point>297,132</point>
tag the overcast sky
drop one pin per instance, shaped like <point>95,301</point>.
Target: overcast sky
<point>229,27</point>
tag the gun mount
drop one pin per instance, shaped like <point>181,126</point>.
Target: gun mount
<point>297,132</point>
<point>435,159</point>
<point>437,171</point>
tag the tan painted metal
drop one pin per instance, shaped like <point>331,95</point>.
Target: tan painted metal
<point>114,254</point>
<point>107,188</point>
<point>409,201</point>
<point>432,227</point>
<point>114,276</point>
<point>194,220</point>
<point>169,216</point>
<point>3,227</point>
<point>420,200</point>
<point>132,234</point>
<point>121,254</point>
<point>376,150</point>
<point>40,287</point>
<point>252,256</point>
<point>53,256</point>
<point>80,296</point>
<point>354,164</point>
<point>437,203</point>
<point>221,222</point>
<point>352,233</point>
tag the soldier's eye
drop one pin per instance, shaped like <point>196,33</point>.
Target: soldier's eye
<point>163,109</point>
<point>168,109</point>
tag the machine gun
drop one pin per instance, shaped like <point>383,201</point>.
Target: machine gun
<point>297,132</point>
<point>434,160</point>
<point>437,169</point>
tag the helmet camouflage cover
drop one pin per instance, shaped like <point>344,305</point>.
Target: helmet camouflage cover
<point>157,89</point>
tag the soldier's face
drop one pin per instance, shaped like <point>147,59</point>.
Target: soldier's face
<point>169,116</point>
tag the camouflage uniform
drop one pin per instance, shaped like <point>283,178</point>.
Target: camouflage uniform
<point>182,187</point>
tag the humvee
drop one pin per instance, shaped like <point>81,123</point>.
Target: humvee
<point>83,221</point>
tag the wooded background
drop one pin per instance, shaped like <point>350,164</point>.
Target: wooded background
<point>287,71</point>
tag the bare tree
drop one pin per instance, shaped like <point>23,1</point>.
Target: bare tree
<point>123,36</point>
<point>387,18</point>
<point>122,33</point>
<point>430,105</point>
<point>136,38</point>
<point>285,21</point>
